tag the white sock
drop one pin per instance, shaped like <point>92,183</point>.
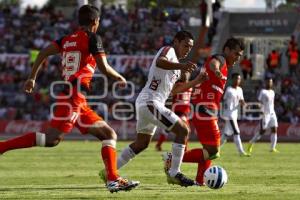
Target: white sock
<point>126,155</point>
<point>177,155</point>
<point>223,139</point>
<point>273,140</point>
<point>256,137</point>
<point>238,143</point>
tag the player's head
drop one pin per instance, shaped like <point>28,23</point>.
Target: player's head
<point>269,83</point>
<point>88,16</point>
<point>236,79</point>
<point>183,42</point>
<point>233,49</point>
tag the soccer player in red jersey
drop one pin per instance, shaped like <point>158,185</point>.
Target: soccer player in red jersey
<point>206,100</point>
<point>81,52</point>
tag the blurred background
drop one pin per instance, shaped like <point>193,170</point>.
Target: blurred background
<point>132,31</point>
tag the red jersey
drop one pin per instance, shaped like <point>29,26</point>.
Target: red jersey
<point>181,101</point>
<point>210,92</point>
<point>78,51</point>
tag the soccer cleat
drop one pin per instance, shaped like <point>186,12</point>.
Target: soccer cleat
<point>180,179</point>
<point>274,151</point>
<point>244,154</point>
<point>121,184</point>
<point>102,175</point>
<point>167,158</point>
<point>250,148</point>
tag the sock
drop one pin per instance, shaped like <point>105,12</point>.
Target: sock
<point>25,141</point>
<point>273,140</point>
<point>202,167</point>
<point>126,155</point>
<point>161,139</point>
<point>256,137</point>
<point>223,139</point>
<point>109,156</point>
<point>238,143</point>
<point>196,156</point>
<point>177,155</point>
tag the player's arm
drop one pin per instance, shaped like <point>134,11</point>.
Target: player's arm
<point>215,66</point>
<point>106,69</point>
<point>164,63</point>
<point>200,43</point>
<point>179,88</point>
<point>52,49</point>
<point>96,49</point>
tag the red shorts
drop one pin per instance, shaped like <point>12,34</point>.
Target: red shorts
<point>71,112</point>
<point>207,129</point>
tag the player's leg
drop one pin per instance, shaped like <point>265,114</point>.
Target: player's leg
<point>209,136</point>
<point>237,138</point>
<point>263,124</point>
<point>145,129</point>
<point>168,120</point>
<point>62,122</point>
<point>50,138</point>
<point>90,122</point>
<point>141,143</point>
<point>163,135</point>
<point>226,132</point>
<point>273,138</point>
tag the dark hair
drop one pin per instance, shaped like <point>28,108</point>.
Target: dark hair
<point>182,35</point>
<point>87,14</point>
<point>234,75</point>
<point>232,43</point>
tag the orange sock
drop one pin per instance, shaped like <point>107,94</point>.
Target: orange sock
<point>24,141</point>
<point>109,156</point>
<point>196,156</point>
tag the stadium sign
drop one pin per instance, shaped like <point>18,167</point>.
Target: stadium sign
<point>270,24</point>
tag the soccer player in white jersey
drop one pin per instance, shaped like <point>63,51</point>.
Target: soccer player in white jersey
<point>150,105</point>
<point>269,119</point>
<point>232,99</point>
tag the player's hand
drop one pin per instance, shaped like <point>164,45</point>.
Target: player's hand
<point>201,77</point>
<point>219,75</point>
<point>189,66</point>
<point>121,82</point>
<point>29,85</point>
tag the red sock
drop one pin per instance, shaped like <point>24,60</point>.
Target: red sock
<point>196,156</point>
<point>161,139</point>
<point>25,141</point>
<point>109,156</point>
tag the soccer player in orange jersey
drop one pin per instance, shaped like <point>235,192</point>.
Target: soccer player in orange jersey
<point>81,52</point>
<point>206,99</point>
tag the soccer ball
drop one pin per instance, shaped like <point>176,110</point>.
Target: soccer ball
<point>215,177</point>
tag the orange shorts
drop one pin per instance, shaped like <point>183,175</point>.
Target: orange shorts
<point>71,112</point>
<point>207,129</point>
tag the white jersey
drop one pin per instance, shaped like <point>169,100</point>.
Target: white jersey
<point>231,100</point>
<point>266,97</point>
<point>160,81</point>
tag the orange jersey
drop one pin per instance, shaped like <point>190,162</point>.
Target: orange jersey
<point>181,101</point>
<point>210,92</point>
<point>78,51</point>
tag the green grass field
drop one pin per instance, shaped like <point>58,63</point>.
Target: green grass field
<point>70,170</point>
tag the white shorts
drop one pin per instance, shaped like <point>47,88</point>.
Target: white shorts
<point>231,127</point>
<point>151,115</point>
<point>269,121</point>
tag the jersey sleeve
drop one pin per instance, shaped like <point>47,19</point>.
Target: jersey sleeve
<point>167,52</point>
<point>95,45</point>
